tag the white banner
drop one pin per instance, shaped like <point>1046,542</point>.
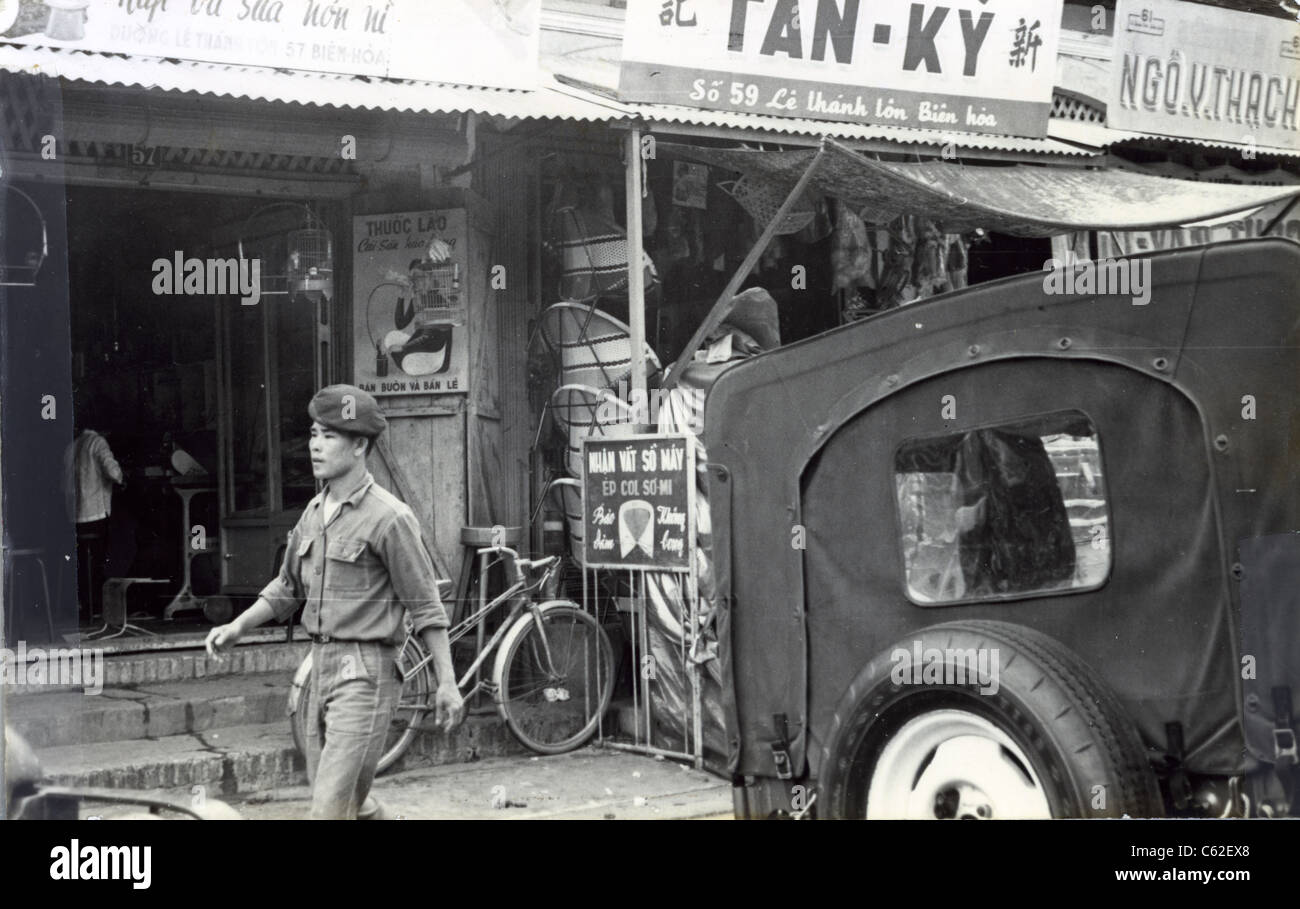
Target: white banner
<point>963,65</point>
<point>470,42</point>
<point>1185,69</point>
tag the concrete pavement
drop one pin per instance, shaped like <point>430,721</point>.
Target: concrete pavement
<point>593,783</point>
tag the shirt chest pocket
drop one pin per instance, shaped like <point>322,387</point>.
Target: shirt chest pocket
<point>347,565</point>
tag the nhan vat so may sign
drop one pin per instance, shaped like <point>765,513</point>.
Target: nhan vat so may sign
<point>637,502</point>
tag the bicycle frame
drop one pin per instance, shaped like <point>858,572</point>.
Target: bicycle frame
<point>521,593</point>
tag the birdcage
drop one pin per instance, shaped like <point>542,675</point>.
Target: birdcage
<point>437,294</point>
<point>24,244</point>
<point>310,267</point>
<point>309,256</point>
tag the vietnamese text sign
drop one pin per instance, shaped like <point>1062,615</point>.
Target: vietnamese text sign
<point>962,65</point>
<point>410,333</point>
<point>1206,73</point>
<point>637,495</point>
<point>473,42</point>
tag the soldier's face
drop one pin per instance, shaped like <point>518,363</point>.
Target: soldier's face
<point>333,453</point>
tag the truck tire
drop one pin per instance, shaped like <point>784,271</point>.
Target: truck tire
<point>1037,736</point>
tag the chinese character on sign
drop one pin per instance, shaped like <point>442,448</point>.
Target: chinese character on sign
<point>672,14</point>
<point>1026,44</point>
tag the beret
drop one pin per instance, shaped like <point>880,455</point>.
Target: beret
<point>349,409</point>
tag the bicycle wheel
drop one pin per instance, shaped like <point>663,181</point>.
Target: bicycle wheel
<point>412,707</point>
<point>298,697</point>
<point>555,712</point>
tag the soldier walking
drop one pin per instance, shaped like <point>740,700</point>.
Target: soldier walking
<point>357,558</point>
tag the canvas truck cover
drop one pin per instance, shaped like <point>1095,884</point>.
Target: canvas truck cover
<point>1192,397</point>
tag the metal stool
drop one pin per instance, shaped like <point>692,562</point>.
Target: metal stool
<point>12,558</point>
<point>472,539</point>
<point>115,612</point>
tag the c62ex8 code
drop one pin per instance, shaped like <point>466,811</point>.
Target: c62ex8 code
<point>1211,850</point>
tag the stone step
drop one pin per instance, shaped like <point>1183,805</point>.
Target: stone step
<point>130,669</point>
<point>234,762</point>
<point>151,710</point>
<point>218,762</point>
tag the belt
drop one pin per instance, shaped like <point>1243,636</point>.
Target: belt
<point>328,639</point>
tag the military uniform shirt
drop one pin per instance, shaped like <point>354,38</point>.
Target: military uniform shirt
<point>358,572</point>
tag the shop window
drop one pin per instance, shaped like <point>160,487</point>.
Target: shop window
<point>1004,511</point>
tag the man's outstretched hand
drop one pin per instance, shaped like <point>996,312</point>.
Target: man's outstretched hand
<point>448,707</point>
<point>222,638</point>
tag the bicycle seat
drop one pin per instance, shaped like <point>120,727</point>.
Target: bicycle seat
<point>491,536</point>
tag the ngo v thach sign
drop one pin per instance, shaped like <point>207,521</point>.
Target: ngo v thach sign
<point>637,497</point>
<point>1205,73</point>
<point>962,65</point>
<point>471,42</point>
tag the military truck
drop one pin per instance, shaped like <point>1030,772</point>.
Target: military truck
<point>1013,552</point>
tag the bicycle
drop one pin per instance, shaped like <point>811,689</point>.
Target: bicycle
<point>552,679</point>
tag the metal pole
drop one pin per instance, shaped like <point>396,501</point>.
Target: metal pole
<point>645,651</point>
<point>696,668</point>
<point>1280,216</point>
<point>635,264</point>
<point>636,662</point>
<point>649,749</point>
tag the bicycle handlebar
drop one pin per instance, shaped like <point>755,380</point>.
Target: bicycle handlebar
<point>521,565</point>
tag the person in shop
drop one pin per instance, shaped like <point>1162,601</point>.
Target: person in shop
<point>356,556</point>
<point>90,473</point>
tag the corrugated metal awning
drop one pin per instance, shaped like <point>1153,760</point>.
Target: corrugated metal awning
<point>1023,200</point>
<point>1098,136</point>
<point>297,87</point>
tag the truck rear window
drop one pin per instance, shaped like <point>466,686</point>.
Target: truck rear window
<point>1004,511</point>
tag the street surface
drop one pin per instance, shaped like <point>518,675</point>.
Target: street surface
<point>592,783</point>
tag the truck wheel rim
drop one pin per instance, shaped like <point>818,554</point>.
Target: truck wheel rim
<point>951,764</point>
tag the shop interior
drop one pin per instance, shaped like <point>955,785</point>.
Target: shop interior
<point>827,266</point>
<point>198,396</point>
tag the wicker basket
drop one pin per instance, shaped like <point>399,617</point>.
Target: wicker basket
<point>760,200</point>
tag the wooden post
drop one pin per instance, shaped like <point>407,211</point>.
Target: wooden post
<point>635,265</point>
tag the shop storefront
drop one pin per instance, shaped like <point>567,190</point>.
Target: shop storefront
<point>223,238</point>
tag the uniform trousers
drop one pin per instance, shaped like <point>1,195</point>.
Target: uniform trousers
<point>351,697</point>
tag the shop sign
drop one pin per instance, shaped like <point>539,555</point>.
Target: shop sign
<point>410,332</point>
<point>1114,244</point>
<point>637,497</point>
<point>471,42</point>
<point>1205,73</point>
<point>961,65</point>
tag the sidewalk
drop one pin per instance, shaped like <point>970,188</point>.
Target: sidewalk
<point>592,783</point>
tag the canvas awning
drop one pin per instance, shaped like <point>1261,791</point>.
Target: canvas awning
<point>1019,199</point>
